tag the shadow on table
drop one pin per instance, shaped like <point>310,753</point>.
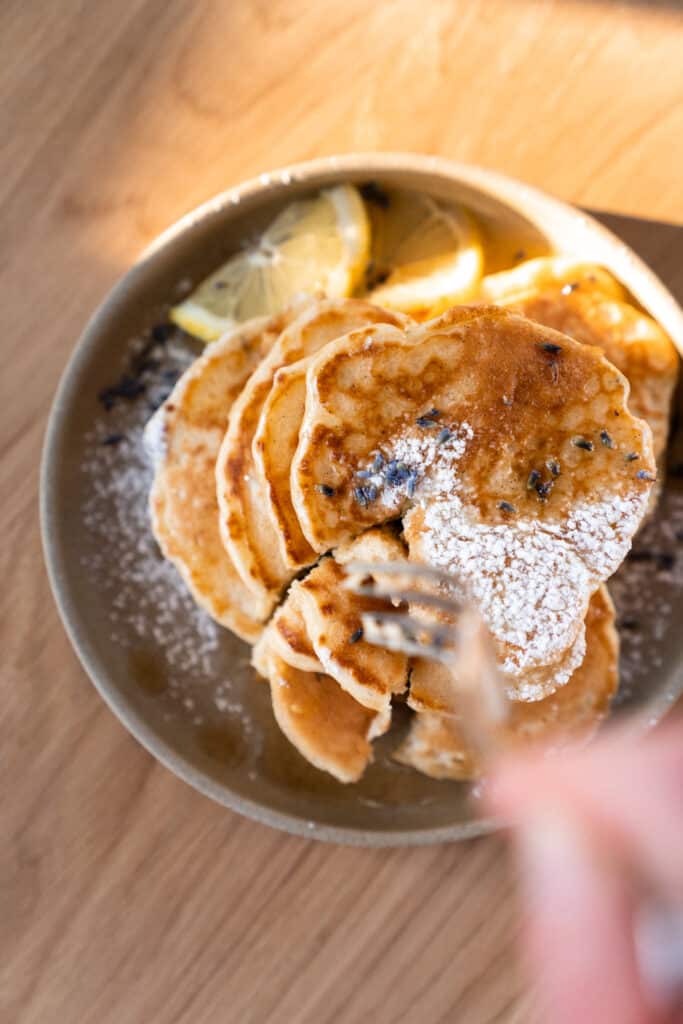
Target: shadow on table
<point>660,244</point>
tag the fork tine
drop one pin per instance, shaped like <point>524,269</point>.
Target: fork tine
<point>465,646</point>
<point>403,568</point>
<point>378,590</point>
<point>411,627</point>
<point>358,583</point>
<point>383,634</point>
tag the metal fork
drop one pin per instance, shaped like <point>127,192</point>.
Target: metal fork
<point>464,645</point>
<point>462,642</point>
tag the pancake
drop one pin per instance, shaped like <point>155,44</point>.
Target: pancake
<point>436,746</point>
<point>332,615</point>
<point>247,530</point>
<point>431,686</point>
<point>531,277</point>
<point>325,724</point>
<point>184,437</point>
<point>275,444</point>
<point>588,304</point>
<point>260,653</point>
<point>631,340</point>
<point>286,636</point>
<point>274,448</point>
<point>510,452</point>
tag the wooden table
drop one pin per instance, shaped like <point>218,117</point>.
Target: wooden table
<point>127,897</point>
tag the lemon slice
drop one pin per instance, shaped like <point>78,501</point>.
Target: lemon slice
<point>313,245</point>
<point>428,256</point>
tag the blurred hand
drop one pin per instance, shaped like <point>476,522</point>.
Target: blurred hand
<point>599,834</point>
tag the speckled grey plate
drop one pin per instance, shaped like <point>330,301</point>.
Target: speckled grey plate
<point>183,687</point>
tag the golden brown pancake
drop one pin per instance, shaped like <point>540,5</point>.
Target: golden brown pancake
<point>631,340</point>
<point>532,277</point>
<point>184,437</point>
<point>332,615</point>
<point>587,303</point>
<point>511,454</point>
<point>260,652</point>
<point>431,686</point>
<point>247,530</point>
<point>325,724</point>
<point>286,636</point>
<point>436,746</point>
<point>274,448</point>
<point>275,444</point>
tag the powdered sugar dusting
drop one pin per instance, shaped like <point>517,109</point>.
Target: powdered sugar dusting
<point>418,464</point>
<point>601,532</point>
<point>149,608</point>
<point>531,587</point>
<point>154,437</point>
<point>531,579</point>
<point>437,459</point>
<point>147,595</point>
<point>648,593</point>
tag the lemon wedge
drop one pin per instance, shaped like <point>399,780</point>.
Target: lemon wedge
<point>427,256</point>
<point>318,244</point>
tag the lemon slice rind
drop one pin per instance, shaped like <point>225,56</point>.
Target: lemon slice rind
<point>314,245</point>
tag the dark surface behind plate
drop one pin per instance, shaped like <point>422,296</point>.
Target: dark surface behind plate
<point>183,686</point>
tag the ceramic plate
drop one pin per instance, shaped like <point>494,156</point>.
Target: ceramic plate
<point>182,685</point>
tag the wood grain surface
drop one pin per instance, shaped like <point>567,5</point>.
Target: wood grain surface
<point>125,896</point>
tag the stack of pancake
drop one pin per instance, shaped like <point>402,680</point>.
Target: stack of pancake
<point>514,445</point>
